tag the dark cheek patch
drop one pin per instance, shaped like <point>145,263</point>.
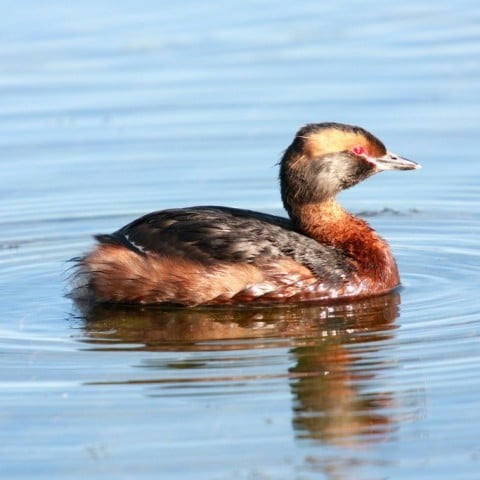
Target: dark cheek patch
<point>357,171</point>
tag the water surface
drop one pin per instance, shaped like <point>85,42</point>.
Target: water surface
<point>110,111</point>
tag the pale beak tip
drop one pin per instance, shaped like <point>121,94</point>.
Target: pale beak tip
<point>391,161</point>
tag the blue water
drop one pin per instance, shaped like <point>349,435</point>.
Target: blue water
<point>111,110</point>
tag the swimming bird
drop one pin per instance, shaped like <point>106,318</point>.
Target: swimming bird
<point>210,255</point>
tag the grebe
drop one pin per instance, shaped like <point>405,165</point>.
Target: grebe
<point>218,255</point>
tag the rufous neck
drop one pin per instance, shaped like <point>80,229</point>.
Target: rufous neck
<point>330,224</point>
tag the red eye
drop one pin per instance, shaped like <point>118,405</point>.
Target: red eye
<point>358,150</point>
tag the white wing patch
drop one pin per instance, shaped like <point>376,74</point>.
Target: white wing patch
<point>136,245</point>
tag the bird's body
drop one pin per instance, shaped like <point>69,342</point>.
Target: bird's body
<point>219,255</point>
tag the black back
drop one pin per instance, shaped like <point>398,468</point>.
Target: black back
<point>212,235</point>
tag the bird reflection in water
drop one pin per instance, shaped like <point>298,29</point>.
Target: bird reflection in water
<point>335,382</point>
<point>338,352</point>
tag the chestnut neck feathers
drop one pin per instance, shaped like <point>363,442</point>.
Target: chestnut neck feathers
<point>314,169</point>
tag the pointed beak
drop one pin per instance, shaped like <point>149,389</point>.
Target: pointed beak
<point>391,161</point>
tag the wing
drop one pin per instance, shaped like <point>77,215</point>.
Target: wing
<point>218,234</point>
